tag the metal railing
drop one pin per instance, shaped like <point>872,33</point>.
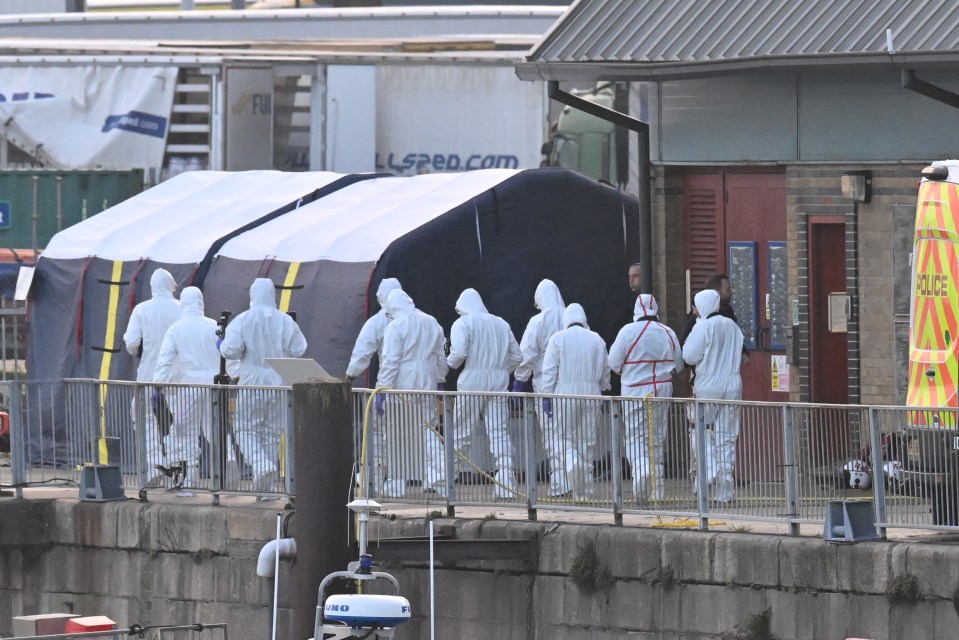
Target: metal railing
<point>184,438</point>
<point>197,631</point>
<point>688,459</point>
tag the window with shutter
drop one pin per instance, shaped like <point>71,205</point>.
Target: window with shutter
<point>704,220</point>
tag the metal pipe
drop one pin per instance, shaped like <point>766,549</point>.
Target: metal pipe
<point>36,214</point>
<point>276,572</point>
<point>271,553</point>
<point>909,81</point>
<point>59,203</point>
<point>645,207</point>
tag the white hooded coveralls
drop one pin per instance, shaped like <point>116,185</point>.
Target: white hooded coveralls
<point>645,354</point>
<point>261,332</point>
<point>532,346</point>
<point>575,364</point>
<point>539,330</point>
<point>189,355</point>
<point>370,340</point>
<point>148,324</point>
<point>485,343</point>
<point>714,347</point>
<point>413,360</point>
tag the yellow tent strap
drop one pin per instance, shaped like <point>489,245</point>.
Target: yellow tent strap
<point>287,290</point>
<point>108,355</point>
<point>284,306</point>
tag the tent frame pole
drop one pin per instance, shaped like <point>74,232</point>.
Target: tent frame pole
<point>645,206</point>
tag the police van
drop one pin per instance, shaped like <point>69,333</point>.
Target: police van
<point>932,464</point>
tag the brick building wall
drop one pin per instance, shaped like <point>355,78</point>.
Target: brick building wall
<point>669,280</point>
<point>878,240</point>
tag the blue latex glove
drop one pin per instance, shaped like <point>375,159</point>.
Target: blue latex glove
<point>548,407</point>
<point>378,404</point>
<point>519,386</point>
<point>441,386</point>
<point>219,341</point>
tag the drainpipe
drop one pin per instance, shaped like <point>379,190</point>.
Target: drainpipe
<point>645,207</point>
<point>266,561</point>
<point>911,82</point>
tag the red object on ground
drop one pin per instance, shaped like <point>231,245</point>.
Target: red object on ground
<point>4,423</point>
<point>89,623</point>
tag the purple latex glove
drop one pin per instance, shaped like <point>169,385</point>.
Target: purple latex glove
<point>516,404</point>
<point>378,404</point>
<point>441,386</point>
<point>548,407</point>
<point>219,341</point>
<point>155,399</point>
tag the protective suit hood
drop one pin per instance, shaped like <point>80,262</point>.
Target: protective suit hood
<point>162,284</point>
<point>547,296</point>
<point>387,286</point>
<point>574,314</point>
<point>645,306</point>
<point>469,302</point>
<point>706,302</point>
<point>191,302</point>
<point>263,293</point>
<point>399,302</point>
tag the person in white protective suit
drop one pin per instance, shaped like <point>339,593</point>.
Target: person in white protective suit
<point>539,330</point>
<point>261,332</point>
<point>485,343</point>
<point>370,340</point>
<point>148,324</point>
<point>188,354</point>
<point>714,347</point>
<point>575,364</point>
<point>413,360</point>
<point>646,354</point>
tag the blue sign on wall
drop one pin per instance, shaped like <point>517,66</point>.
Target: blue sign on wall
<point>4,214</point>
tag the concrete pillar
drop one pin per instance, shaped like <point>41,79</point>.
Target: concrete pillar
<point>323,464</point>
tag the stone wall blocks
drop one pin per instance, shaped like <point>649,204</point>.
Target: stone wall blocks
<point>627,555</point>
<point>807,616</point>
<point>690,555</point>
<point>133,525</point>
<point>929,562</point>
<point>806,566</point>
<point>743,559</point>
<point>634,605</point>
<point>869,617</point>
<point>241,524</point>
<point>863,567</point>
<point>95,524</point>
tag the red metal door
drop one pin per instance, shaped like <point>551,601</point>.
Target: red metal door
<point>756,214</point>
<point>828,348</point>
<point>736,224</point>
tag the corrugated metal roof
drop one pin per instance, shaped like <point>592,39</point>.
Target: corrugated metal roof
<point>674,33</point>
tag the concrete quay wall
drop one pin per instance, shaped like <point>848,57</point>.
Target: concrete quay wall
<point>152,563</point>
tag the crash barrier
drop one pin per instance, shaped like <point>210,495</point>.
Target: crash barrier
<point>151,434</point>
<point>197,631</point>
<point>681,460</point>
